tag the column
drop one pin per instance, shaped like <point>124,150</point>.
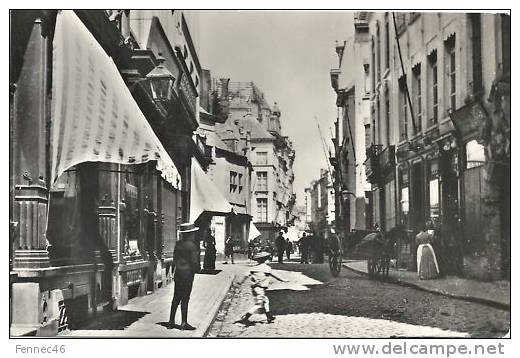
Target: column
<point>31,109</point>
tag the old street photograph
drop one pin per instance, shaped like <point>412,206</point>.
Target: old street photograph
<point>259,174</point>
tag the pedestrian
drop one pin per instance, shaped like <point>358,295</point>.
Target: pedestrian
<point>427,266</point>
<point>280,246</point>
<point>304,249</point>
<point>228,250</point>
<point>186,264</point>
<point>210,253</point>
<point>259,278</point>
<point>288,248</point>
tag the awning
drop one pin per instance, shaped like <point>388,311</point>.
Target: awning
<point>94,116</point>
<point>205,195</point>
<point>253,232</point>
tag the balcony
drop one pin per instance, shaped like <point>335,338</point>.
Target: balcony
<point>371,163</point>
<point>361,21</point>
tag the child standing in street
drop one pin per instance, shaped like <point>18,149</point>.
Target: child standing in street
<point>259,277</point>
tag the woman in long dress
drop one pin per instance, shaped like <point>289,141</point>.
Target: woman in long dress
<point>211,252</point>
<point>427,266</point>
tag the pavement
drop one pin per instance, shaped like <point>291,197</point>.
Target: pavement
<point>147,316</point>
<point>314,304</point>
<point>495,293</point>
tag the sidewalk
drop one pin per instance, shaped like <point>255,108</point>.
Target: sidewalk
<point>147,316</point>
<point>497,293</point>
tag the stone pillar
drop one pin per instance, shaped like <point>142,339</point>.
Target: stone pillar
<point>31,114</point>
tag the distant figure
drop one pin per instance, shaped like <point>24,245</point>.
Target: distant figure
<point>228,250</point>
<point>427,266</point>
<point>288,249</point>
<point>259,276</point>
<point>186,260</point>
<point>317,249</point>
<point>210,254</point>
<point>304,249</point>
<point>280,246</point>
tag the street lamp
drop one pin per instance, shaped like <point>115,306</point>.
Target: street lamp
<point>161,81</point>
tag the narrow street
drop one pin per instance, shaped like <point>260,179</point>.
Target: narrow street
<point>314,304</point>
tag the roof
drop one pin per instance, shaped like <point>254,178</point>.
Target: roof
<point>257,131</point>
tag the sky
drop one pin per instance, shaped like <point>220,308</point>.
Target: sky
<point>288,54</point>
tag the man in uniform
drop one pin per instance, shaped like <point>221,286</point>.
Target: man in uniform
<point>186,260</point>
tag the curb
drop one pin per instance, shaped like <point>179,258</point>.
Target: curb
<point>484,301</point>
<point>205,324</point>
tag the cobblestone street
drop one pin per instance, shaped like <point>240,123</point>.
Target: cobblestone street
<point>314,304</point>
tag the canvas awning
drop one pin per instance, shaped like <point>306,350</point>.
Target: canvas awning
<point>253,232</point>
<point>94,116</point>
<point>205,195</point>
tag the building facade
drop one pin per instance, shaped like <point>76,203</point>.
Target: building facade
<point>350,81</point>
<point>439,99</point>
<point>321,202</point>
<point>122,219</point>
<point>230,169</point>
<point>254,128</point>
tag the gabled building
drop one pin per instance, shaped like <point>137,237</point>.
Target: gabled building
<point>270,153</point>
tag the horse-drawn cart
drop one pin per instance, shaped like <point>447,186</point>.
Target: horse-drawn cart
<point>374,247</point>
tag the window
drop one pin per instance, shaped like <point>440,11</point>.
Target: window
<point>403,110</point>
<point>412,16</point>
<point>373,115</point>
<point>475,156</point>
<point>404,202</point>
<point>378,121</point>
<point>476,48</point>
<point>387,42</point>
<point>232,181</point>
<point>387,117</point>
<point>240,186</point>
<point>261,181</point>
<point>261,158</point>
<point>400,21</point>
<point>417,97</point>
<point>261,210</point>
<point>434,191</point>
<point>433,95</point>
<point>506,43</point>
<point>378,64</point>
<point>373,66</point>
<point>450,75</point>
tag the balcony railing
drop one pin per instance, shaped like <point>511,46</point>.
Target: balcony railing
<point>371,163</point>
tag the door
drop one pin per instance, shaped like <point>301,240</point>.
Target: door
<point>417,197</point>
<point>473,230</point>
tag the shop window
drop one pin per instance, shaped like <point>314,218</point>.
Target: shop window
<point>434,202</point>
<point>475,156</point>
<point>131,187</point>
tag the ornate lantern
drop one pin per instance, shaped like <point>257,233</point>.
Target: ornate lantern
<point>161,81</point>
